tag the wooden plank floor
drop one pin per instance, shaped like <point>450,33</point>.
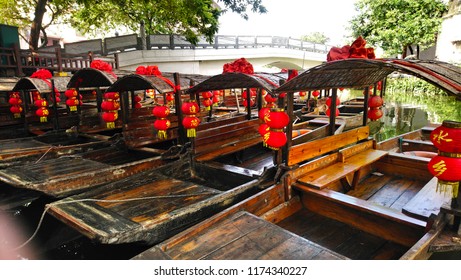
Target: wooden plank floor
<point>242,236</point>
<point>341,238</point>
<point>132,206</point>
<point>388,191</point>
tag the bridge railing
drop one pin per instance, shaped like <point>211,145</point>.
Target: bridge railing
<point>77,55</point>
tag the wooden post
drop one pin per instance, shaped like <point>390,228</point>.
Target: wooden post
<point>98,99</point>
<point>125,106</point>
<point>55,107</point>
<point>178,104</point>
<point>248,104</point>
<point>365,105</point>
<point>289,130</point>
<point>17,57</point>
<point>59,59</point>
<point>132,99</point>
<point>332,126</point>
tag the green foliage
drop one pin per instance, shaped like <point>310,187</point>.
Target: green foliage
<point>395,24</point>
<point>191,18</point>
<point>315,37</point>
<point>414,91</point>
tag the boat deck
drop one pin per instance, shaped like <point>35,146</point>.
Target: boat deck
<point>243,236</point>
<point>340,237</point>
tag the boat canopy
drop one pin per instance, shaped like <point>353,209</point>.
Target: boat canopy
<point>95,78</point>
<point>231,80</point>
<point>41,85</point>
<point>162,84</point>
<point>356,73</point>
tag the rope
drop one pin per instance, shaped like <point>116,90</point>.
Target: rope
<point>44,154</point>
<point>48,206</point>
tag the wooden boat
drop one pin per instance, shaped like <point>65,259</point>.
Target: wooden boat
<point>225,163</point>
<point>339,197</point>
<point>416,143</point>
<point>74,167</point>
<point>343,205</point>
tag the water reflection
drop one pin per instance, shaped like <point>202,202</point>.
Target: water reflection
<point>408,111</point>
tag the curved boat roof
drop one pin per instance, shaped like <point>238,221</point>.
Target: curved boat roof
<point>40,85</point>
<point>349,73</point>
<point>95,78</point>
<point>162,84</point>
<point>231,80</point>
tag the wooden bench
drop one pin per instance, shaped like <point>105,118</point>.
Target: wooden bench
<point>217,141</point>
<point>426,202</point>
<point>319,179</point>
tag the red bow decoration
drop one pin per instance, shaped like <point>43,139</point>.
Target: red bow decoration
<point>356,50</point>
<point>149,70</point>
<point>42,74</point>
<point>240,65</point>
<point>101,65</point>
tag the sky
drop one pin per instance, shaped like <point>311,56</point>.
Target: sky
<point>294,18</point>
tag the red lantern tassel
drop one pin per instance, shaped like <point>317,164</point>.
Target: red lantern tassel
<point>43,119</point>
<point>161,134</point>
<point>191,132</point>
<point>110,124</point>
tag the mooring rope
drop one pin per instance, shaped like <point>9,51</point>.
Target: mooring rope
<point>48,206</point>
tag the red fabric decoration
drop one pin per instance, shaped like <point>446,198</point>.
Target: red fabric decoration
<point>101,65</point>
<point>42,74</point>
<point>356,50</point>
<point>240,65</point>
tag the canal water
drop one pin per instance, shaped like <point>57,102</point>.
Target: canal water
<point>403,112</point>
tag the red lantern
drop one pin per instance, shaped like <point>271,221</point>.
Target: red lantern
<point>110,118</point>
<point>43,114</point>
<point>446,167</point>
<point>278,119</point>
<point>190,108</point>
<point>72,101</point>
<point>447,137</point>
<point>316,94</point>
<point>41,103</point>
<point>161,124</point>
<point>15,101</point>
<point>190,122</point>
<point>374,114</point>
<point>111,95</point>
<point>275,139</point>
<point>302,95</point>
<point>375,101</point>
<point>169,98</point>
<point>264,113</point>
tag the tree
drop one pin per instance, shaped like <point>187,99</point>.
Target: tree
<point>396,25</point>
<point>315,37</point>
<point>191,18</point>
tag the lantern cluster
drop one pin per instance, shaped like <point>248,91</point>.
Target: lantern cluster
<point>374,111</point>
<point>42,106</point>
<point>328,104</point>
<point>190,121</point>
<point>446,166</point>
<point>272,130</point>
<point>207,100</point>
<point>72,100</point>
<point>110,106</point>
<point>248,99</point>
<point>15,101</point>
<point>216,94</point>
<point>161,124</point>
<point>137,102</point>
